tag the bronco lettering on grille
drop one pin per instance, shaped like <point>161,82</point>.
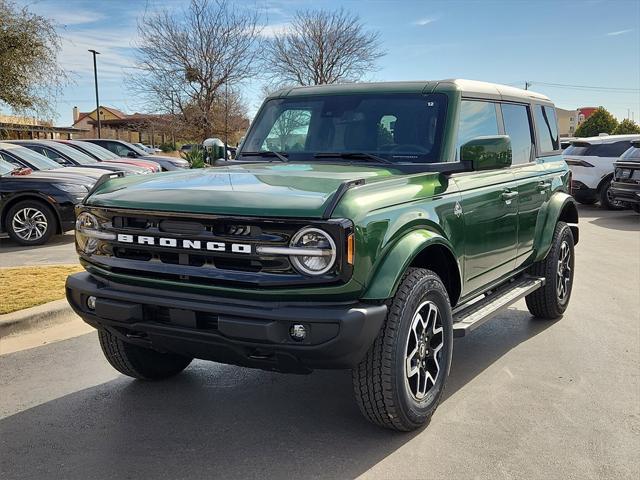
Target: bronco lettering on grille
<point>184,243</point>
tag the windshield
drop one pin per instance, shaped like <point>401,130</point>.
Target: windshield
<point>76,155</point>
<point>633,155</point>
<point>96,150</point>
<point>138,150</point>
<point>396,127</point>
<point>6,168</point>
<point>33,159</point>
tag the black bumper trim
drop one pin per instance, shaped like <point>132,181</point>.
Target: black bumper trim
<point>248,333</point>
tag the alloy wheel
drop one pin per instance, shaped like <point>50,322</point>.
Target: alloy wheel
<point>564,271</point>
<point>29,224</point>
<point>423,350</point>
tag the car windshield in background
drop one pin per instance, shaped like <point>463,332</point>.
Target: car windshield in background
<point>138,150</point>
<point>77,155</point>
<point>402,128</point>
<point>98,151</point>
<point>632,155</point>
<point>39,162</point>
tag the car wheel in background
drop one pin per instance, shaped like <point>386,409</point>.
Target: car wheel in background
<point>30,222</point>
<point>606,198</point>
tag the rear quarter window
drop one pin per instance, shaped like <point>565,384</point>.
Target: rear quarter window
<point>547,129</point>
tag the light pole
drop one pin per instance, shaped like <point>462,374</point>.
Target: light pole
<point>95,77</point>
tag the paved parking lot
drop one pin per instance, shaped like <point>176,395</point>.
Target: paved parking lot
<point>60,250</point>
<point>526,399</point>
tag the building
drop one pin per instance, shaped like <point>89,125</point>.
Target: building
<point>143,128</point>
<point>14,127</point>
<point>567,121</point>
<point>584,113</point>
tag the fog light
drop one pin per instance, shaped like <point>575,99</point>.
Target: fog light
<point>91,302</point>
<point>298,332</point>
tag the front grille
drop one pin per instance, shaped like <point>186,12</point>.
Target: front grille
<point>209,250</point>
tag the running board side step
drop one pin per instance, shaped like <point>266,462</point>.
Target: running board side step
<point>469,317</point>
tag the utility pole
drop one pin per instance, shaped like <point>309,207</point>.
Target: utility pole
<point>527,85</point>
<point>226,117</point>
<point>95,77</point>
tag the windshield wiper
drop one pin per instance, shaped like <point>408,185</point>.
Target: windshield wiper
<point>267,153</point>
<point>367,157</point>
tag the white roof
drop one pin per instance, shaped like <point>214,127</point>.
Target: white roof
<point>607,138</point>
<point>494,89</point>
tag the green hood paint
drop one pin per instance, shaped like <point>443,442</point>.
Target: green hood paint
<point>274,190</point>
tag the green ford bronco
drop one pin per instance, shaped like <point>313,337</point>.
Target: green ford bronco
<point>360,227</point>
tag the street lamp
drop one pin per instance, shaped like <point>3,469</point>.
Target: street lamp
<point>95,77</point>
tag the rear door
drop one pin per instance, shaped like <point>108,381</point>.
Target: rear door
<point>489,203</point>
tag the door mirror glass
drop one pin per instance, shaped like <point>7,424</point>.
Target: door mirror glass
<point>487,153</point>
<point>131,154</point>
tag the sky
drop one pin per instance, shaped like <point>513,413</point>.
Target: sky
<point>579,53</point>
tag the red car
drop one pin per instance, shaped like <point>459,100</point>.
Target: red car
<point>102,154</point>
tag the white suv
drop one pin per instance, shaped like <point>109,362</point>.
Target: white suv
<point>591,162</point>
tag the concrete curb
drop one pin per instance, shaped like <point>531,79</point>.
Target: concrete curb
<point>44,315</point>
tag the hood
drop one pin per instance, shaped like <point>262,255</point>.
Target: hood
<point>94,173</point>
<point>281,190</point>
<point>50,176</point>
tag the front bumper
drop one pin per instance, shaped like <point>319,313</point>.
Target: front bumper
<point>248,333</point>
<point>625,192</point>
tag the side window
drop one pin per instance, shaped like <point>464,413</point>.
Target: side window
<point>518,126</point>
<point>10,159</point>
<point>477,119</point>
<point>55,156</point>
<point>547,129</point>
<point>289,132</point>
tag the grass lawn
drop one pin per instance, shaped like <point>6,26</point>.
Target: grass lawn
<point>24,287</point>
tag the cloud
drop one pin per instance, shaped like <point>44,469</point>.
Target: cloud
<point>619,32</point>
<point>274,29</point>
<point>424,21</point>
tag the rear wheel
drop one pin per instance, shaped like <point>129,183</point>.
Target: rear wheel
<point>551,300</point>
<point>401,380</point>
<point>139,362</point>
<point>30,222</point>
<point>606,198</point>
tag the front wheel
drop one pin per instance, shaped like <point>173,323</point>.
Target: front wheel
<point>400,382</point>
<point>551,300</point>
<point>30,222</point>
<point>138,362</point>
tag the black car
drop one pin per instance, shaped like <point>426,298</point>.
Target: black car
<point>625,186</point>
<point>35,206</point>
<point>125,149</point>
<point>23,157</point>
<point>67,156</point>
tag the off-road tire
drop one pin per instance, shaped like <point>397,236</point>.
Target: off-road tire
<point>545,303</point>
<point>605,201</point>
<point>138,362</point>
<point>379,381</point>
<point>32,206</point>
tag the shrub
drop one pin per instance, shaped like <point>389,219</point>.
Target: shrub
<point>195,157</point>
<point>600,121</point>
<point>167,147</point>
<point>627,126</point>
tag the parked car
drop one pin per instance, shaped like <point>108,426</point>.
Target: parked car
<point>124,149</point>
<point>147,148</point>
<point>103,155</point>
<point>625,187</point>
<point>591,162</point>
<point>35,206</point>
<point>187,147</point>
<point>68,156</point>
<point>395,217</point>
<point>24,157</point>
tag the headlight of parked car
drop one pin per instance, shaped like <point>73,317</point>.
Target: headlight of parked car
<point>89,232</point>
<point>77,191</point>
<point>314,251</point>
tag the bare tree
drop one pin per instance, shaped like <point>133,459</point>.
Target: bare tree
<point>322,46</point>
<point>30,76</point>
<point>186,57</point>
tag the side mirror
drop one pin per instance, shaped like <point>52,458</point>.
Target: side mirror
<point>131,154</point>
<point>487,153</point>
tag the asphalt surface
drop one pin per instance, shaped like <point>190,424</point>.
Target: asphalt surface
<point>525,399</point>
<point>58,251</point>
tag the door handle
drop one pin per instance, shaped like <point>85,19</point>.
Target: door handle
<point>508,196</point>
<point>542,186</point>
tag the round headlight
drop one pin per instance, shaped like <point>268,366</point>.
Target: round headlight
<point>86,222</point>
<point>322,251</point>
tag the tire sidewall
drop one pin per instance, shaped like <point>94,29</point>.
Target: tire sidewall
<point>604,197</point>
<point>563,235</point>
<point>46,211</point>
<point>429,288</point>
